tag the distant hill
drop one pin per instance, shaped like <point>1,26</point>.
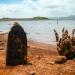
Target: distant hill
<point>34,18</point>
<point>71,17</point>
<point>40,18</point>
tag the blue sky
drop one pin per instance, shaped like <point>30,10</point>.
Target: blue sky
<point>31,8</point>
<point>10,1</point>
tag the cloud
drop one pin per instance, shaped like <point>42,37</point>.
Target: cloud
<point>31,8</point>
<point>16,10</point>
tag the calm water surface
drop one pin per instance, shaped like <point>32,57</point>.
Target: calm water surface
<point>41,30</point>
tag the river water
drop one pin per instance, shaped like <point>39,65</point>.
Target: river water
<point>40,30</point>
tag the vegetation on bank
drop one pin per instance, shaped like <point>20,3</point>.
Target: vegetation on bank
<point>40,18</point>
<point>72,17</point>
<point>34,18</point>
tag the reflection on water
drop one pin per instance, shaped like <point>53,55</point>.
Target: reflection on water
<point>42,30</point>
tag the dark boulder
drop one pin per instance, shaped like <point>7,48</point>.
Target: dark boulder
<point>16,46</point>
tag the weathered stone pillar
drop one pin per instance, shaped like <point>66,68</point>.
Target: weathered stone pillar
<point>16,46</point>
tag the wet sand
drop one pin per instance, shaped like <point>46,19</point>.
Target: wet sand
<point>41,56</point>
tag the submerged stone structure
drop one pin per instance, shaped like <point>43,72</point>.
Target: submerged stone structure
<point>16,46</point>
<point>66,44</point>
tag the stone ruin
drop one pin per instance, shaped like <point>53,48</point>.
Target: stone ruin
<point>16,46</point>
<point>66,44</point>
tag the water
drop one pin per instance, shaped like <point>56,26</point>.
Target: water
<point>41,30</point>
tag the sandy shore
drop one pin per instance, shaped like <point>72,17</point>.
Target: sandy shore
<point>41,56</point>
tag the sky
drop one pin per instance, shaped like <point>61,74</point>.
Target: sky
<point>33,8</point>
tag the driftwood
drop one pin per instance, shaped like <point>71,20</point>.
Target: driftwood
<point>56,35</point>
<point>66,44</point>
